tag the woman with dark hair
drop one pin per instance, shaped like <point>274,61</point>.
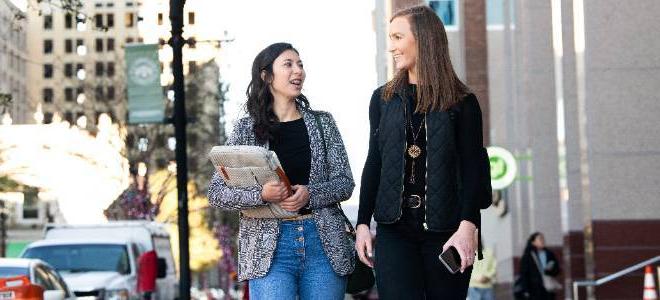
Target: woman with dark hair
<point>538,267</point>
<point>421,175</point>
<point>307,256</point>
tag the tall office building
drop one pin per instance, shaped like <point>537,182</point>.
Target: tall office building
<point>14,59</point>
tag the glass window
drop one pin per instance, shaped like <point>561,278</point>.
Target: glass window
<point>99,69</point>
<point>495,12</point>
<point>68,70</point>
<point>98,93</point>
<point>47,95</point>
<point>98,20</point>
<point>129,20</point>
<point>83,257</point>
<point>98,45</point>
<point>48,22</point>
<point>110,70</point>
<point>69,95</point>
<point>48,71</point>
<point>129,40</point>
<point>110,20</point>
<point>447,10</point>
<point>68,116</point>
<point>48,46</point>
<point>191,18</point>
<point>111,44</point>
<point>160,18</point>
<point>40,276</point>
<point>192,66</point>
<point>48,118</point>
<point>68,21</point>
<point>13,271</point>
<point>68,46</point>
<point>111,93</point>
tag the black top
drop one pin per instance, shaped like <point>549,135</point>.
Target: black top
<point>291,144</point>
<point>466,119</point>
<point>415,134</point>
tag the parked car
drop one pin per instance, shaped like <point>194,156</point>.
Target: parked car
<point>101,261</point>
<point>39,273</point>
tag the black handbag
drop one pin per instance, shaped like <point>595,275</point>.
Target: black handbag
<point>362,278</point>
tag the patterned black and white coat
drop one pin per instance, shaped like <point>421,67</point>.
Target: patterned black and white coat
<point>330,182</point>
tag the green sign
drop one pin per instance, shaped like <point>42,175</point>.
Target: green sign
<point>503,167</point>
<point>145,95</point>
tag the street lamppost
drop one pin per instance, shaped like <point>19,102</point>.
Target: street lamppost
<point>177,42</point>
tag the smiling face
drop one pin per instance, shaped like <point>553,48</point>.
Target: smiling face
<point>288,76</point>
<point>403,45</point>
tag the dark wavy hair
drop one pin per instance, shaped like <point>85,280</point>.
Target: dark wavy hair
<point>259,98</point>
<point>529,246</point>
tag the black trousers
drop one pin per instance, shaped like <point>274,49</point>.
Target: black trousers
<point>407,264</point>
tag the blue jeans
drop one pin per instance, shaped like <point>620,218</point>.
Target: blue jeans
<point>299,267</point>
<point>480,294</point>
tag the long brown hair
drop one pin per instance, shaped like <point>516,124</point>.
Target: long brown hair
<point>438,86</point>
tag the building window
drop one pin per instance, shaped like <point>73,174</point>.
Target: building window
<point>98,20</point>
<point>110,70</point>
<point>111,44</point>
<point>111,93</point>
<point>140,40</point>
<point>68,46</point>
<point>69,95</point>
<point>98,93</point>
<point>192,66</point>
<point>447,10</point>
<point>110,20</point>
<point>98,45</point>
<point>48,46</point>
<point>48,117</point>
<point>48,71</point>
<point>98,69</point>
<point>68,21</point>
<point>109,4</point>
<point>130,20</point>
<point>68,116</point>
<point>68,70</point>
<point>80,71</point>
<point>495,12</point>
<point>47,95</point>
<point>48,22</point>
<point>129,40</point>
<point>98,5</point>
<point>160,18</point>
<point>191,18</point>
<point>129,4</point>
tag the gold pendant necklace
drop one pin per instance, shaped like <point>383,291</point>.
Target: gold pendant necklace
<point>414,151</point>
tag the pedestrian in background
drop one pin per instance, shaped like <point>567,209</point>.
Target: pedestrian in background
<point>425,127</point>
<point>538,269</point>
<point>483,277</point>
<point>309,256</point>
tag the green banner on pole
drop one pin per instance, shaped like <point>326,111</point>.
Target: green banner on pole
<point>145,95</point>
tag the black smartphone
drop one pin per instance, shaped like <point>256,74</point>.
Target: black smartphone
<point>451,259</point>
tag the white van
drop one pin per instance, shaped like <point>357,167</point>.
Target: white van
<point>101,261</point>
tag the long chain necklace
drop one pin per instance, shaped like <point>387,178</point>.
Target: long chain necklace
<point>413,150</point>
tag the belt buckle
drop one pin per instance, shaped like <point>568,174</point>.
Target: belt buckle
<point>414,201</point>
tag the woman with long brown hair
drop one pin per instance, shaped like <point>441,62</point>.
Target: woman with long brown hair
<point>420,178</point>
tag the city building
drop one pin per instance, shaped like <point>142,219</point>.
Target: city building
<point>14,62</point>
<point>571,88</point>
<point>77,73</point>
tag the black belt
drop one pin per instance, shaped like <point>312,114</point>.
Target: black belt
<point>412,201</point>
